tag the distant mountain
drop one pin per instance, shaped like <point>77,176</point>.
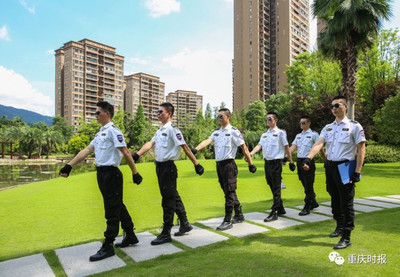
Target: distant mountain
<point>28,116</point>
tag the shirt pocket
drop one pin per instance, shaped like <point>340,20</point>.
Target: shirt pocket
<point>329,136</point>
<point>273,140</point>
<point>344,137</point>
<point>164,141</point>
<point>226,142</point>
<point>102,143</point>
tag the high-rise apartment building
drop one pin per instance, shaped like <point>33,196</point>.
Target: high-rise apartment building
<point>87,72</point>
<point>268,35</point>
<point>186,103</point>
<point>145,89</point>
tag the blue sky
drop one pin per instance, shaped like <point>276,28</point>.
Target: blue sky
<point>187,43</point>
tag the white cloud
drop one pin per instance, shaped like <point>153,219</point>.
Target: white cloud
<point>206,72</point>
<point>4,33</point>
<point>159,8</point>
<point>18,92</point>
<point>29,9</point>
<point>50,52</point>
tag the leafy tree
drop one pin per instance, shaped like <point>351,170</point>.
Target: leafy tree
<point>255,116</point>
<point>61,125</point>
<point>77,143</point>
<point>350,26</point>
<point>387,121</point>
<point>142,129</point>
<point>14,135</point>
<point>33,139</point>
<point>239,120</point>
<point>52,138</point>
<point>88,129</point>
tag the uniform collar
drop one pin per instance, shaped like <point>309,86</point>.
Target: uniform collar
<point>273,130</point>
<point>166,125</point>
<point>345,120</point>
<point>108,125</point>
<point>308,131</point>
<point>228,127</point>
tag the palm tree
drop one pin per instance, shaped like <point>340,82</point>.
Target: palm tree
<point>52,138</point>
<point>33,138</point>
<point>351,26</point>
<point>14,135</point>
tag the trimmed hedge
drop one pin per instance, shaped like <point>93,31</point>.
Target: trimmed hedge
<point>375,153</point>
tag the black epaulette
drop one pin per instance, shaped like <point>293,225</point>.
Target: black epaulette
<point>217,129</point>
<point>115,127</point>
<point>234,128</point>
<point>174,126</point>
<point>353,121</point>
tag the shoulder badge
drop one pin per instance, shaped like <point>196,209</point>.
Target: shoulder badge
<point>120,138</point>
<point>179,136</point>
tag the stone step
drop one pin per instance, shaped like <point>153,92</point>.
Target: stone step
<point>75,260</point>
<point>145,251</point>
<point>29,266</point>
<point>360,208</point>
<point>294,214</point>
<point>394,196</point>
<point>376,203</point>
<point>281,223</point>
<point>197,237</point>
<point>238,230</point>
<point>385,199</point>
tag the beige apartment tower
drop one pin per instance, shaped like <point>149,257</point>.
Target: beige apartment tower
<point>187,104</point>
<point>87,72</point>
<point>268,36</point>
<point>145,89</point>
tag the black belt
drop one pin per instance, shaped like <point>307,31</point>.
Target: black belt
<point>273,161</point>
<point>333,163</point>
<point>105,168</point>
<point>164,164</point>
<point>224,162</point>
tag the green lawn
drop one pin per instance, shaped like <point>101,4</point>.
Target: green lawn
<point>44,216</point>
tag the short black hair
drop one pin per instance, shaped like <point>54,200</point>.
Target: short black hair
<point>340,97</point>
<point>306,117</point>
<point>274,114</point>
<point>226,111</point>
<point>106,107</point>
<point>169,107</point>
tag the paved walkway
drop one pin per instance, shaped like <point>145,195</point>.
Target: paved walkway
<point>75,259</point>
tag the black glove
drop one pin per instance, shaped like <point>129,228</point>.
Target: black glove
<point>199,169</point>
<point>66,170</point>
<point>292,166</point>
<point>355,177</point>
<point>194,151</point>
<point>306,161</point>
<point>252,168</point>
<point>137,178</point>
<point>135,157</point>
<point>284,160</point>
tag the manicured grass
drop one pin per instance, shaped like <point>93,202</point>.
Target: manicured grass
<point>51,214</point>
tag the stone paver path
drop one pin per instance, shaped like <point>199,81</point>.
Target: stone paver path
<point>238,230</point>
<point>29,266</point>
<point>198,237</point>
<point>75,259</point>
<point>145,251</point>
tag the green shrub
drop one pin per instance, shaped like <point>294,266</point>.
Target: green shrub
<point>381,154</point>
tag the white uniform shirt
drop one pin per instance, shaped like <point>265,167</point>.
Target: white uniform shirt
<point>168,140</point>
<point>304,142</point>
<point>341,139</point>
<point>273,144</point>
<point>226,142</point>
<point>105,145</point>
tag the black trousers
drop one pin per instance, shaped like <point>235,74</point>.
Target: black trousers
<point>110,180</point>
<point>227,177</point>
<point>307,179</point>
<point>171,203</point>
<point>273,175</point>
<point>342,197</point>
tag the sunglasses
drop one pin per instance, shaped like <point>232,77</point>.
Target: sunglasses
<point>159,112</point>
<point>97,113</point>
<point>220,116</point>
<point>337,105</point>
<point>269,118</point>
<point>303,122</point>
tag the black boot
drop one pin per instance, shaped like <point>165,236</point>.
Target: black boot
<point>106,250</point>
<point>184,227</point>
<point>226,224</point>
<point>272,216</point>
<point>344,241</point>
<point>238,217</point>
<point>129,239</point>
<point>164,237</point>
<point>337,233</point>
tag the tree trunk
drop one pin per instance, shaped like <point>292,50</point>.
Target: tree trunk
<point>351,78</point>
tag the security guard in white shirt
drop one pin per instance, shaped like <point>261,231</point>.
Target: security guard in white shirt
<point>274,145</point>
<point>304,142</point>
<point>168,142</point>
<point>109,147</point>
<point>343,138</point>
<point>226,141</point>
